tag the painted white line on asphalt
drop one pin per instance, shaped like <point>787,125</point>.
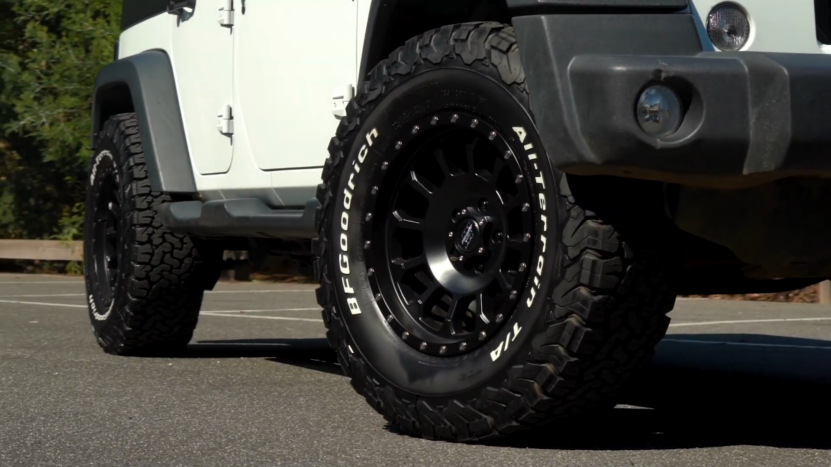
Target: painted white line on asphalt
<point>63,305</point>
<point>210,292</point>
<point>45,295</point>
<point>260,291</point>
<point>750,344</point>
<point>39,282</point>
<point>748,321</point>
<point>279,318</point>
<point>261,311</point>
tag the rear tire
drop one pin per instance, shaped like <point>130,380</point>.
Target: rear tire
<point>590,305</point>
<point>144,283</point>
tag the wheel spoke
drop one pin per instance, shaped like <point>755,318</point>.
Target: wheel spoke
<point>439,154</point>
<point>470,149</point>
<point>480,307</point>
<point>428,294</point>
<point>504,283</point>
<point>406,221</point>
<point>511,202</point>
<point>407,264</point>
<point>421,185</point>
<point>454,310</point>
<point>498,165</point>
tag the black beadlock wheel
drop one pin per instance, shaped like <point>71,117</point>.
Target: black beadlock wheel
<point>469,289</point>
<point>144,283</point>
<point>454,216</point>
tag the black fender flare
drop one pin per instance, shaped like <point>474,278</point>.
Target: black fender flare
<point>144,83</point>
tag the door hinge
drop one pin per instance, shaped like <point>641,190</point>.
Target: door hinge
<point>226,13</point>
<point>226,120</point>
<point>340,99</point>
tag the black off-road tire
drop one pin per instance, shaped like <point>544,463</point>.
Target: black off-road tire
<point>146,300</point>
<point>591,310</point>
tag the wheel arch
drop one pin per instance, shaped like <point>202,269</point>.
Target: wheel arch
<point>144,83</point>
<point>392,22</point>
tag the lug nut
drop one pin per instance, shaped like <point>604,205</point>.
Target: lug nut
<point>522,267</point>
<point>481,250</point>
<point>519,179</point>
<point>526,207</point>
<point>369,217</point>
<point>463,346</point>
<point>390,318</point>
<point>483,222</point>
<point>454,118</point>
<point>434,120</point>
<point>492,136</point>
<point>482,335</point>
<point>371,272</point>
<point>415,129</point>
<point>398,145</point>
<point>367,245</point>
<point>474,123</point>
<point>464,212</point>
<point>378,297</point>
<point>375,190</point>
<point>526,238</point>
<point>450,234</point>
<point>497,237</point>
<point>499,318</point>
<point>442,350</point>
<point>514,294</point>
<point>507,155</point>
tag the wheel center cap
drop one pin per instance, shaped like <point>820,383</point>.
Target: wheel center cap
<point>468,235</point>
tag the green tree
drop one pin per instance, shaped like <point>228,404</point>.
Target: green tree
<point>50,53</point>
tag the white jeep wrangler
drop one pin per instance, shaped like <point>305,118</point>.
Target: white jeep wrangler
<point>515,192</point>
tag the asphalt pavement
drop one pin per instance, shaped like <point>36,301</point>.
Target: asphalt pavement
<point>733,384</point>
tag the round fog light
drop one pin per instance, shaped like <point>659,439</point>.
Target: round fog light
<point>659,111</point>
<point>728,27</point>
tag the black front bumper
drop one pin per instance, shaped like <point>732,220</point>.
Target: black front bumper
<point>749,117</point>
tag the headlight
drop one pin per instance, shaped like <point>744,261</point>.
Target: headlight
<point>728,27</point>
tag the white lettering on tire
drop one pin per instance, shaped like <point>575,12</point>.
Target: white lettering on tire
<point>343,257</point>
<point>94,309</point>
<point>100,157</point>
<point>539,179</point>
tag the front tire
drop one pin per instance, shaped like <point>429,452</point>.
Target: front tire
<point>550,304</point>
<point>144,283</point>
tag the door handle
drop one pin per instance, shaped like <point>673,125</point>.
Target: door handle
<point>175,7</point>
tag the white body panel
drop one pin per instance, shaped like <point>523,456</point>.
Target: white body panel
<point>775,25</point>
<point>290,55</point>
<point>282,59</point>
<point>203,52</point>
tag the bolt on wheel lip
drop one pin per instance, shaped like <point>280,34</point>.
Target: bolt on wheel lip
<point>393,304</point>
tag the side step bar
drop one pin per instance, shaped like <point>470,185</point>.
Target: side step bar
<point>239,218</point>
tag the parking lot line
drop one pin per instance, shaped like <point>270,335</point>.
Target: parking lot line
<point>261,311</point>
<point>747,344</point>
<point>208,292</point>
<point>41,283</point>
<point>258,291</point>
<point>748,321</point>
<point>64,305</point>
<point>278,318</point>
<point>45,295</point>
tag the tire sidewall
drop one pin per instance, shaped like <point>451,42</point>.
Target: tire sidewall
<point>104,164</point>
<point>475,91</point>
